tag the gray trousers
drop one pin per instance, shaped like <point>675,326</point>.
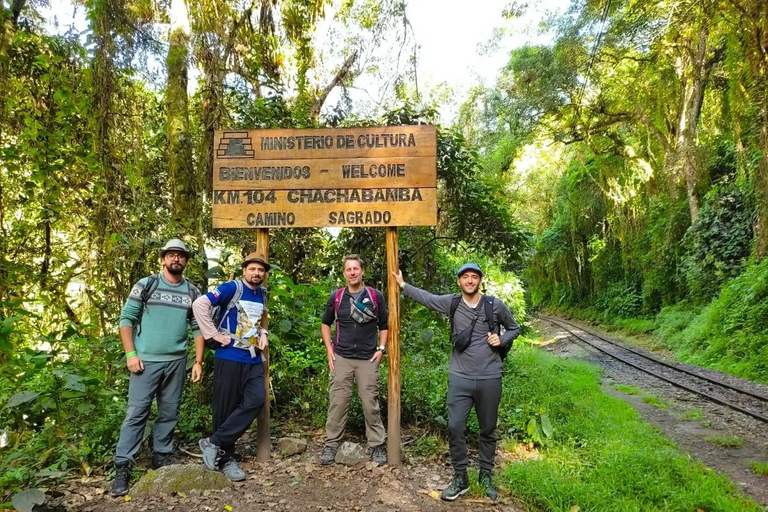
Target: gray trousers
<point>485,395</point>
<point>162,379</point>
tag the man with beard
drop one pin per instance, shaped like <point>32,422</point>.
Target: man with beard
<point>360,314</point>
<point>232,319</point>
<point>154,327</point>
<point>474,376</point>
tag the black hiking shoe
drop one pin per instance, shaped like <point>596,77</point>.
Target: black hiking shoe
<point>328,457</point>
<point>486,482</point>
<point>122,479</point>
<point>163,459</point>
<point>459,485</point>
<point>379,455</point>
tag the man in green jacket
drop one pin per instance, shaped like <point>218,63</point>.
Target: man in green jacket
<point>154,326</point>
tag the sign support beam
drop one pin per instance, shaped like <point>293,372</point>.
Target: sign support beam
<point>393,348</point>
<point>263,443</point>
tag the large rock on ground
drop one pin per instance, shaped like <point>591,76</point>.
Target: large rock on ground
<point>291,446</point>
<point>179,478</point>
<point>351,454</point>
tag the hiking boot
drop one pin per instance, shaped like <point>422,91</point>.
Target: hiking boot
<point>486,482</point>
<point>211,452</point>
<point>163,459</point>
<point>328,457</point>
<point>232,471</point>
<point>122,479</point>
<point>379,455</point>
<point>459,485</point>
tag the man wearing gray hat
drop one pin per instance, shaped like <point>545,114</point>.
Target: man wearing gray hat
<point>154,327</point>
<point>474,375</point>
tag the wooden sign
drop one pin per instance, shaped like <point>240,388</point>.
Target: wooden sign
<point>329,177</point>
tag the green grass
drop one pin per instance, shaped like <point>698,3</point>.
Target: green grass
<point>655,401</point>
<point>636,325</point>
<point>695,414</point>
<point>429,445</point>
<point>726,441</point>
<point>603,456</point>
<point>628,390</point>
<point>760,468</point>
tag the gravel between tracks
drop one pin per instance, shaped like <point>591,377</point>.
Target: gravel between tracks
<point>693,436</point>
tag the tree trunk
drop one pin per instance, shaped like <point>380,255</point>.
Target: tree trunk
<point>180,166</point>
<point>758,48</point>
<point>693,99</point>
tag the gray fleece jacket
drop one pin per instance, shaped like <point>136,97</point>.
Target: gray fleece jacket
<point>479,360</point>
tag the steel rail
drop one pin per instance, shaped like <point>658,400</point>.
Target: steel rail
<point>668,365</point>
<point>709,397</point>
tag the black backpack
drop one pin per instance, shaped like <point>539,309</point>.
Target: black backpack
<point>488,302</point>
<point>152,283</point>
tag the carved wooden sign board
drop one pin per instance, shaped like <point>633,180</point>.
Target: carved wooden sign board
<point>325,177</point>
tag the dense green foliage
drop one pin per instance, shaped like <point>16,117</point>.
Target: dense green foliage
<point>100,165</point>
<point>622,169</point>
<point>637,143</point>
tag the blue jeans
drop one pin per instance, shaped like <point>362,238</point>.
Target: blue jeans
<point>164,379</point>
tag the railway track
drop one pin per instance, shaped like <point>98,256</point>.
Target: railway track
<point>734,397</point>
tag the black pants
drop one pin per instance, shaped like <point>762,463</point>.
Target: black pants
<point>238,397</point>
<point>485,395</point>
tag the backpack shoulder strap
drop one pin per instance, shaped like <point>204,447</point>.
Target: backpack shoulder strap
<point>374,299</point>
<point>193,293</point>
<point>264,295</point>
<point>337,301</point>
<point>490,317</point>
<point>232,302</point>
<point>150,286</point>
<point>237,296</point>
<point>454,306</point>
<point>336,304</point>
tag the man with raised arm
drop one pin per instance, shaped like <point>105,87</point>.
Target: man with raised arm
<point>154,327</point>
<point>360,314</point>
<point>474,377</point>
<point>232,318</point>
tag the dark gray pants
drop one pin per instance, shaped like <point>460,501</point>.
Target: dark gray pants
<point>238,397</point>
<point>166,380</point>
<point>485,395</point>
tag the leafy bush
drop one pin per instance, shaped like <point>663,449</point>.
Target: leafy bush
<point>728,334</point>
<point>620,300</point>
<point>719,242</point>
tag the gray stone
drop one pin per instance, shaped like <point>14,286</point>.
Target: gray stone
<point>179,478</point>
<point>291,446</point>
<point>351,454</point>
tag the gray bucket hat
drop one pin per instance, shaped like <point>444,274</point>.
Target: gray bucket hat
<point>174,244</point>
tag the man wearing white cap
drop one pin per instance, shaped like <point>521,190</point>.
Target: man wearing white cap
<point>474,374</point>
<point>154,328</point>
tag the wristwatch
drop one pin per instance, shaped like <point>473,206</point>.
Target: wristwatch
<point>382,349</point>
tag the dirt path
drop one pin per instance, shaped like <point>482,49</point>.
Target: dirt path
<point>698,426</point>
<point>295,484</point>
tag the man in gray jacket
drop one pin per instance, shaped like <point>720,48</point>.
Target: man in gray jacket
<point>474,371</point>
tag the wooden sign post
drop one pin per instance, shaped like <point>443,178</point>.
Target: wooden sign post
<point>383,176</point>
<point>263,444</point>
<point>393,347</point>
